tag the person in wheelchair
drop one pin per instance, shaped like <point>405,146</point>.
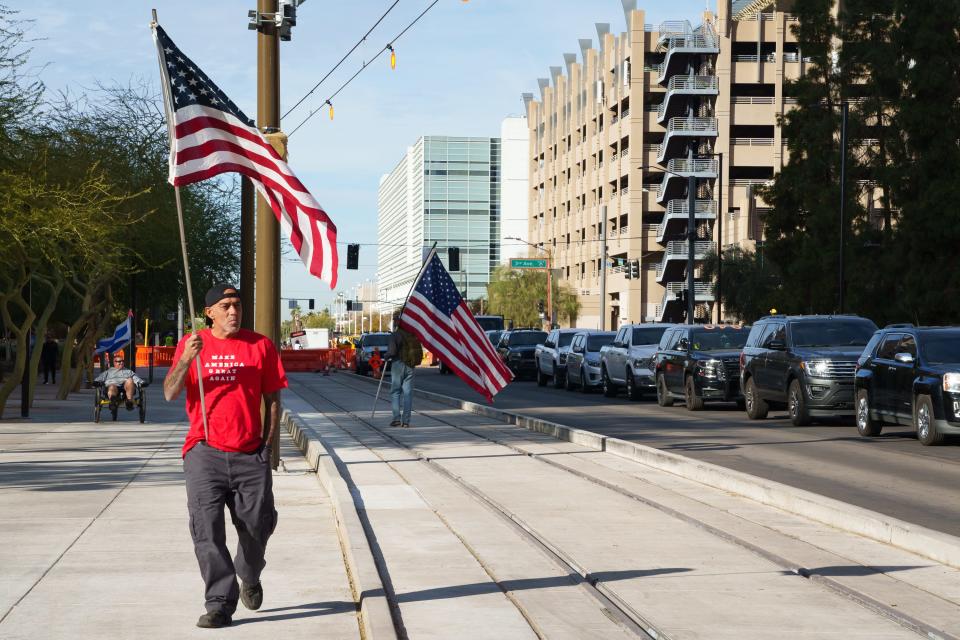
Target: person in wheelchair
<point>119,376</point>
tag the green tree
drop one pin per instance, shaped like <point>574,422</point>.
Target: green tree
<point>750,284</point>
<point>514,294</point>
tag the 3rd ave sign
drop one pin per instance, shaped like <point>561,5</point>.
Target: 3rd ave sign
<point>528,263</point>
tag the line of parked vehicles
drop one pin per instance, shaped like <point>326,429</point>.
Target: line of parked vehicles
<point>814,366</point>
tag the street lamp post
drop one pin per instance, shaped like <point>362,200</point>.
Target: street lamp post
<point>843,191</point>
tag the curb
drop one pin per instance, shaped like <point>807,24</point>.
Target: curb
<point>934,545</point>
<point>374,617</point>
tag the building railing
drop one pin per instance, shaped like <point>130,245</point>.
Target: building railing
<point>702,292</point>
<point>677,210</point>
<point>691,125</point>
<point>677,249</point>
<point>704,84</point>
<point>770,57</point>
<point>753,100</point>
<point>746,182</point>
<point>752,142</point>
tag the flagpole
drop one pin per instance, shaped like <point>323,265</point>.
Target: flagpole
<point>433,250</point>
<point>165,81</point>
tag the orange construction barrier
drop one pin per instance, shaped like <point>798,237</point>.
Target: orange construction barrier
<point>307,359</point>
<point>162,356</point>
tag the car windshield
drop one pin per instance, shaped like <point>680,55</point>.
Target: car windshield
<point>595,343</point>
<point>566,339</point>
<point>941,347</point>
<point>495,336</point>
<point>380,340</point>
<point>650,335</point>
<point>527,338</point>
<point>718,339</point>
<point>832,333</point>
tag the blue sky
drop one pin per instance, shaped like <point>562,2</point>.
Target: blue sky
<point>460,71</point>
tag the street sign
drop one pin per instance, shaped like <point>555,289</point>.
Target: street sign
<point>528,263</point>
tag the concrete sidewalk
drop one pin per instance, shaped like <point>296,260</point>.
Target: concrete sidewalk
<point>94,540</point>
<point>467,517</point>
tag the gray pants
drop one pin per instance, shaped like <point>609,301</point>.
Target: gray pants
<point>244,483</point>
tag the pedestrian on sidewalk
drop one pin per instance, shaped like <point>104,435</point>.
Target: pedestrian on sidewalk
<point>405,353</point>
<point>230,467</point>
<point>48,359</point>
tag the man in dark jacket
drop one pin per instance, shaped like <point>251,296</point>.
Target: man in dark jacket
<point>48,359</point>
<point>405,353</point>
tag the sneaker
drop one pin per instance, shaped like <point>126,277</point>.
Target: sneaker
<point>395,423</point>
<point>214,620</point>
<point>405,425</point>
<point>251,595</point>
<point>129,404</point>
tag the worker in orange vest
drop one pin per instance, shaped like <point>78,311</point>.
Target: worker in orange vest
<point>376,362</point>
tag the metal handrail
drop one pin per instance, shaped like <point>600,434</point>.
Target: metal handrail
<point>682,124</point>
<point>703,210</point>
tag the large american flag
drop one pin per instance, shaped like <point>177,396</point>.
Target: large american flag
<point>210,135</point>
<point>439,317</point>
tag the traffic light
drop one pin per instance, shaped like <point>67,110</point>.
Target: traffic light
<point>453,258</point>
<point>310,304</point>
<point>627,269</point>
<point>633,269</point>
<point>349,305</point>
<point>353,256</point>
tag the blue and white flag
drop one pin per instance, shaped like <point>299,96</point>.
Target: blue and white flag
<point>120,338</point>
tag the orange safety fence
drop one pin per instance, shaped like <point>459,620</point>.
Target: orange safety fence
<point>162,356</point>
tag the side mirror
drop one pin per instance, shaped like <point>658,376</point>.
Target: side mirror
<point>777,345</point>
<point>903,358</point>
<point>684,344</point>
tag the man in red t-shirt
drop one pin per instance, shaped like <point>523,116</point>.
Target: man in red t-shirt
<point>229,463</point>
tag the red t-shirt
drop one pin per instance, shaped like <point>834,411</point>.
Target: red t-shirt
<point>237,371</point>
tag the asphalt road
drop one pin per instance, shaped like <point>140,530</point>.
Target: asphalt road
<point>891,474</point>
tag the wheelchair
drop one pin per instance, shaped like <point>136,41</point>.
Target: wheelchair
<point>101,401</point>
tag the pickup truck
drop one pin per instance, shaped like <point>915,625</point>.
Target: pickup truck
<point>628,361</point>
<point>551,356</point>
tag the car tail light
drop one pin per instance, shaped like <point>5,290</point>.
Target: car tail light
<point>743,359</point>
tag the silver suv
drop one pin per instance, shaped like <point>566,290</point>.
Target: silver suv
<point>628,361</point>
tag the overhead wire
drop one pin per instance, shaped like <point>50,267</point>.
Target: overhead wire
<point>347,55</point>
<point>329,101</point>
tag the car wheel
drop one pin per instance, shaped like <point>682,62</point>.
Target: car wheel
<point>558,377</point>
<point>797,405</point>
<point>541,379</point>
<point>757,408</point>
<point>632,393</point>
<point>694,401</point>
<point>926,425</point>
<point>608,389</point>
<point>866,425</point>
<point>584,387</point>
<point>664,399</point>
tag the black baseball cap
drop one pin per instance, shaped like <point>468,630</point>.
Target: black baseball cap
<point>218,292</point>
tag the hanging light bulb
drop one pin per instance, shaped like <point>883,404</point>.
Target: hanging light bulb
<point>393,57</point>
<point>331,109</point>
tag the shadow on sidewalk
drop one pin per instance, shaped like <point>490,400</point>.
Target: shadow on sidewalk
<point>310,610</point>
<point>480,588</point>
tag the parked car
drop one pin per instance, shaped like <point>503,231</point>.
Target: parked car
<point>517,348</point>
<point>911,376</point>
<point>494,335</point>
<point>583,361</point>
<point>551,356</point>
<point>700,363</point>
<point>365,346</point>
<point>804,362</point>
<point>627,361</point>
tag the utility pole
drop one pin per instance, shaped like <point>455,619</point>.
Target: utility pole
<point>603,268</point>
<point>549,290</point>
<point>843,191</point>
<point>720,210</point>
<point>248,249</point>
<point>267,301</point>
<point>691,241</point>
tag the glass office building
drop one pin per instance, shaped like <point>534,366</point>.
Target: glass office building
<point>445,190</point>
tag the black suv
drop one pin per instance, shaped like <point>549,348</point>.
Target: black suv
<point>518,347</point>
<point>910,375</point>
<point>804,362</point>
<point>699,363</point>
